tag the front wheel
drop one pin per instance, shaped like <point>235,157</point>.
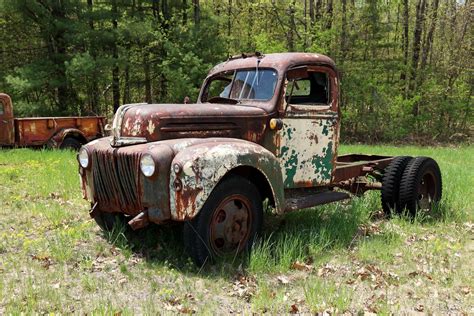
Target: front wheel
<point>108,221</point>
<point>227,224</point>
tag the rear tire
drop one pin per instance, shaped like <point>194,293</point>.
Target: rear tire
<point>71,143</point>
<point>227,224</point>
<point>421,185</point>
<point>391,184</point>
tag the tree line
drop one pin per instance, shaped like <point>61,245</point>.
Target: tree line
<point>406,65</point>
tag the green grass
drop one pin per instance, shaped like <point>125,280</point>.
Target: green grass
<point>322,295</point>
<point>54,259</point>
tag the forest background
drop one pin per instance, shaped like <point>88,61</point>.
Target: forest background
<point>406,65</point>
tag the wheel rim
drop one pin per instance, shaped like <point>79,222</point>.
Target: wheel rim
<point>427,191</point>
<point>231,225</point>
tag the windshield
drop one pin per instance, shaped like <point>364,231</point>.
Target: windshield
<point>242,85</point>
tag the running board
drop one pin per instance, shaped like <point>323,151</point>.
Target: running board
<point>306,201</point>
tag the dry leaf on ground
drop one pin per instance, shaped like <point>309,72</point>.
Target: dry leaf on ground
<point>283,279</point>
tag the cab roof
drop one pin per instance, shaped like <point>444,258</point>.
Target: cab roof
<point>279,61</point>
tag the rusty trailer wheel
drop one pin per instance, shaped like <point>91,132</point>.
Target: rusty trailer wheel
<point>227,224</point>
<point>71,144</point>
<point>421,185</point>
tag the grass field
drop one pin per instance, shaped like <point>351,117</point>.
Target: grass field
<point>338,258</point>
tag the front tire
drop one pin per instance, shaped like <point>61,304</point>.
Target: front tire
<point>107,221</point>
<point>421,185</point>
<point>227,224</point>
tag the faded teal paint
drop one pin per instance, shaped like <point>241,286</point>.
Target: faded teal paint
<point>323,165</point>
<point>310,138</point>
<point>325,130</point>
<point>284,150</point>
<point>291,166</point>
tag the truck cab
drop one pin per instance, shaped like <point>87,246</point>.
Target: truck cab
<point>265,127</point>
<point>302,98</point>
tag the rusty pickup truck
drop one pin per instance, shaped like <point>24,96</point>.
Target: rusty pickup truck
<point>53,132</point>
<point>264,128</point>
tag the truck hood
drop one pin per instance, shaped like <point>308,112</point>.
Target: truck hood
<point>152,122</point>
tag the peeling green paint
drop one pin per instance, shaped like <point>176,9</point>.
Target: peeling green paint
<point>291,166</point>
<point>306,150</point>
<point>323,164</point>
<point>325,130</point>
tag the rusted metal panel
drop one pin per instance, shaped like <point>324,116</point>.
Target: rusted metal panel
<point>353,166</point>
<point>306,150</point>
<point>7,135</point>
<point>307,143</point>
<point>313,199</point>
<point>39,131</point>
<point>170,121</point>
<point>204,165</point>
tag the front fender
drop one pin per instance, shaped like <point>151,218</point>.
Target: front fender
<point>197,170</point>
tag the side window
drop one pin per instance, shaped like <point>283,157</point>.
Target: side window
<point>302,88</point>
<point>313,90</point>
<point>2,111</point>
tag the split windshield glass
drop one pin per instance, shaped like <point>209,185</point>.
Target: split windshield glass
<point>242,85</point>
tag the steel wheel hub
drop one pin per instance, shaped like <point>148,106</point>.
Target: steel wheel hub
<point>231,225</point>
<point>426,191</point>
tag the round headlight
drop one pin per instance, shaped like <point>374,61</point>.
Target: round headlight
<point>83,158</point>
<point>147,165</point>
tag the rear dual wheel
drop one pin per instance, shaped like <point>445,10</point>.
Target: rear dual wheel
<point>391,184</point>
<point>420,186</point>
<point>227,224</point>
<point>413,184</point>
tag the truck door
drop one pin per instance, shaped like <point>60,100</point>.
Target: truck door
<point>309,136</point>
<point>7,134</point>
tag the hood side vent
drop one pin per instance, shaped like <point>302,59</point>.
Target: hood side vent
<point>195,127</point>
